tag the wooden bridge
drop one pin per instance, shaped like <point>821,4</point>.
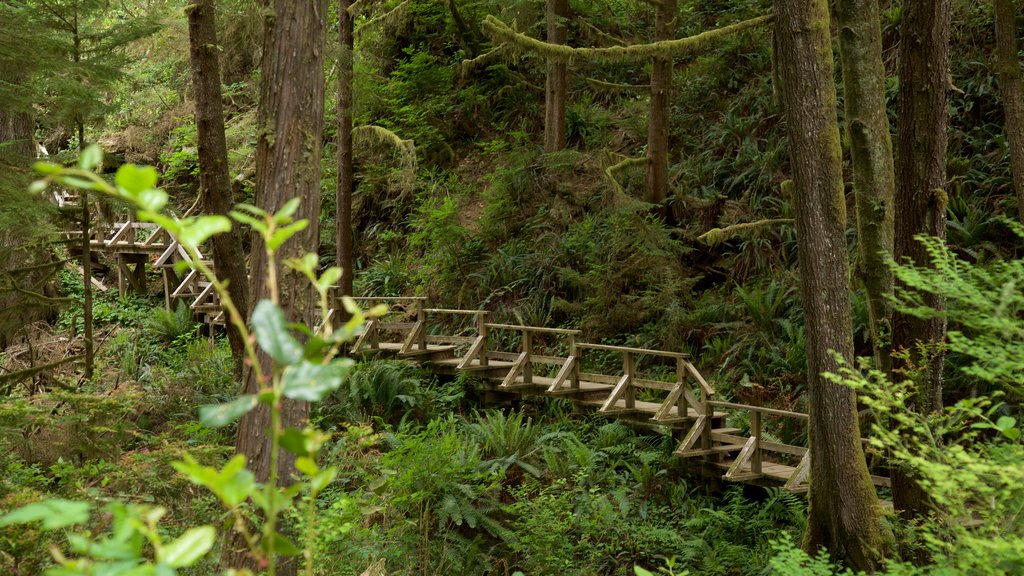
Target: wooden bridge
<point>653,388</point>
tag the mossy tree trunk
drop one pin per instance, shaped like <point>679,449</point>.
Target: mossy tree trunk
<point>1008,63</point>
<point>874,179</point>
<point>661,98</point>
<point>291,115</point>
<point>346,42</point>
<point>845,516</point>
<point>214,177</point>
<point>920,204</point>
<point>556,89</point>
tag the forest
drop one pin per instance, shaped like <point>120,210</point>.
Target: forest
<point>521,287</point>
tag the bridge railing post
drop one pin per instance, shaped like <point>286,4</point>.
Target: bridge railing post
<point>629,371</point>
<point>708,413</point>
<point>574,373</point>
<point>482,332</point>
<point>527,351</point>
<point>421,326</point>
<point>755,433</point>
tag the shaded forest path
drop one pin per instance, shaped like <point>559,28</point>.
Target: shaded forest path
<point>641,386</point>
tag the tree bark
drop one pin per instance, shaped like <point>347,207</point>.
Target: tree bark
<point>288,154</point>
<point>920,204</point>
<point>556,90</point>
<point>1012,92</point>
<point>844,516</point>
<point>345,257</point>
<point>661,98</point>
<point>214,178</point>
<point>874,179</point>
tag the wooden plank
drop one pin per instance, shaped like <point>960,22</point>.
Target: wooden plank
<point>761,409</point>
<point>442,339</point>
<point>654,384</point>
<point>610,348</point>
<point>474,351</point>
<point>453,311</point>
<point>411,338</point>
<point>513,373</point>
<point>700,379</point>
<point>536,329</point>
<point>602,378</point>
<point>617,392</point>
<point>563,373</point>
<point>670,402</point>
<point>370,326</point>
<point>549,360</point>
<point>743,458</point>
<point>399,326</point>
<point>766,446</point>
<point>799,473</point>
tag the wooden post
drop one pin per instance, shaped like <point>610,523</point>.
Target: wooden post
<point>122,287</point>
<point>627,369</point>
<point>681,404</point>
<point>755,432</point>
<point>421,320</point>
<point>705,404</point>
<point>574,373</point>
<point>528,350</point>
<point>482,331</point>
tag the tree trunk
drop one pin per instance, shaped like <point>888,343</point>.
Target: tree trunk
<point>661,97</point>
<point>844,516</point>
<point>87,320</point>
<point>1012,92</point>
<point>214,179</point>
<point>874,179</point>
<point>287,165</point>
<point>920,203</point>
<point>345,257</point>
<point>555,93</point>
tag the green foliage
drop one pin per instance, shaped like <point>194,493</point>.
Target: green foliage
<point>169,326</point>
<point>984,309</point>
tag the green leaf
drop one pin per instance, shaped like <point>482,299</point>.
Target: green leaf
<point>329,278</point>
<point>307,466</point>
<point>47,167</point>
<point>54,513</point>
<point>90,157</point>
<point>133,179</point>
<point>76,182</point>
<point>188,548</point>
<point>257,225</point>
<point>270,328</point>
<point>217,415</point>
<point>201,229</point>
<point>281,235</point>
<point>37,186</point>
<point>294,441</point>
<point>321,480</point>
<point>238,487</point>
<point>151,200</point>
<point>278,544</point>
<point>287,211</point>
<point>311,382</point>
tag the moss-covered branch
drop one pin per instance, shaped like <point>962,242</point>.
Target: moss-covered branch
<point>615,87</point>
<point>610,171</point>
<point>501,32</point>
<point>716,236</point>
<point>406,149</point>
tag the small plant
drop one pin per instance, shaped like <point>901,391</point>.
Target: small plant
<point>300,371</point>
<point>168,326</point>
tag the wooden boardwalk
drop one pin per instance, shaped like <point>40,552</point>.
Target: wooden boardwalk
<point>653,388</point>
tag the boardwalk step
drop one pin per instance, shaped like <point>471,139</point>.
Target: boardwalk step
<point>715,450</point>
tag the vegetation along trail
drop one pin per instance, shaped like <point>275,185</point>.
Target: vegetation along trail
<point>511,288</point>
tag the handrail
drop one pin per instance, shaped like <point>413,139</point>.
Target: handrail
<point>761,409</point>
<point>388,298</point>
<point>454,311</point>
<point>540,329</point>
<point>611,348</point>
